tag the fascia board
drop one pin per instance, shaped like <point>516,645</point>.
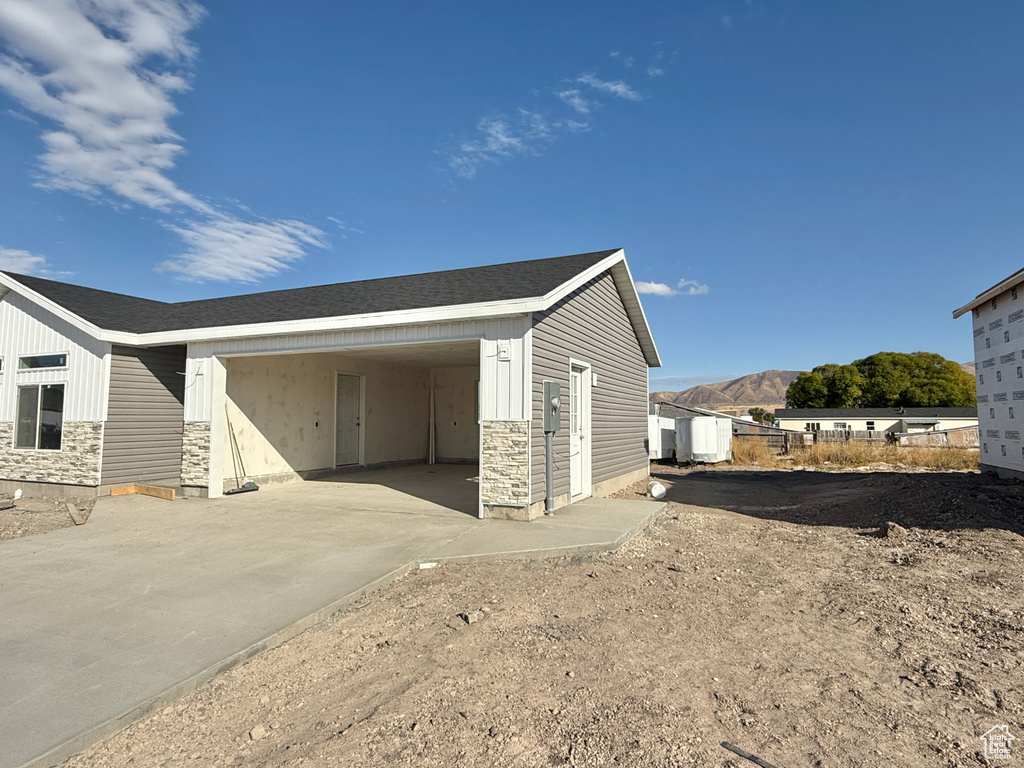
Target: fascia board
<point>1011,282</point>
<point>456,313</point>
<point>616,264</point>
<point>625,284</point>
<point>52,307</point>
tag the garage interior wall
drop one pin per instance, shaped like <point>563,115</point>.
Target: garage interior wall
<point>457,438</point>
<point>283,408</point>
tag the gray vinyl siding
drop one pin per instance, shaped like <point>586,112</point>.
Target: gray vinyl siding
<point>591,326</point>
<point>145,415</point>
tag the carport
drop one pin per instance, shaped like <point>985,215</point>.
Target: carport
<point>317,414</point>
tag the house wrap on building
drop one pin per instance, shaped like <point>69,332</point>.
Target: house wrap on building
<point>997,317</point>
<point>99,389</point>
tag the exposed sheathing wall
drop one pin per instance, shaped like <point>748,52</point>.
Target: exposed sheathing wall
<point>591,326</point>
<point>145,412</point>
<point>283,411</point>
<point>457,436</point>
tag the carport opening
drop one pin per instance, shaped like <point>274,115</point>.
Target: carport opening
<point>359,416</point>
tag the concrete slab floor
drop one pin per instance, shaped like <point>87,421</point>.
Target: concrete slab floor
<point>103,623</point>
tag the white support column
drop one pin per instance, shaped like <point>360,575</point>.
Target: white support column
<point>217,379</point>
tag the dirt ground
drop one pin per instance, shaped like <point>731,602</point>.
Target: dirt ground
<point>774,610</point>
<point>31,516</point>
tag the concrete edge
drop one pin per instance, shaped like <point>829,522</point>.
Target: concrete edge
<point>568,550</point>
<point>79,743</point>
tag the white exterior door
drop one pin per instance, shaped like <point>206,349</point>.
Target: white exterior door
<point>579,426</point>
<point>346,447</point>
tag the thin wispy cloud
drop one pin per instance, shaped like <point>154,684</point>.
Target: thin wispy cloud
<point>21,116</point>
<point>22,262</point>
<point>103,75</point>
<point>691,288</point>
<point>657,66</point>
<point>683,288</point>
<point>529,132</point>
<point>614,87</point>
<point>344,226</point>
<point>574,99</point>
<point>242,251</point>
<point>500,138</point>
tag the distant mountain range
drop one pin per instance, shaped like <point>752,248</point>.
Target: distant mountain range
<point>767,388</point>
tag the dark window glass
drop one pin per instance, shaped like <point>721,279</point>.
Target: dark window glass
<point>40,417</point>
<point>43,361</point>
<point>51,416</point>
<point>28,417</point>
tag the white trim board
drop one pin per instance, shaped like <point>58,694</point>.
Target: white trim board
<point>615,263</point>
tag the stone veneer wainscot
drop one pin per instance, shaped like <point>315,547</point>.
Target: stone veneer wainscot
<point>195,454</point>
<point>76,463</point>
<point>505,468</point>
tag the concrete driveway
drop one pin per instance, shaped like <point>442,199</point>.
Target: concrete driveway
<point>104,623</point>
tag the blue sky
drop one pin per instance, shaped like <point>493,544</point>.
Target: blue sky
<point>797,183</point>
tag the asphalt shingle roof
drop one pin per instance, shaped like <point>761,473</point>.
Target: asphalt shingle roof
<point>499,282</point>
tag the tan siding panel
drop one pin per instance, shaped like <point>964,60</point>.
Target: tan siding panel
<point>591,326</point>
<point>145,412</point>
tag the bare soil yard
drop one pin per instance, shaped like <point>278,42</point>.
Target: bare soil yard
<point>771,609</point>
<point>31,516</point>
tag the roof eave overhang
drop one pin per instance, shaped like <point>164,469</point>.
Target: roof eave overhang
<point>615,263</point>
<point>1011,282</point>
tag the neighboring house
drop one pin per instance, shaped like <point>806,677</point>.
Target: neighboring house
<point>998,320</point>
<point>899,420</point>
<point>99,389</point>
<point>740,426</point>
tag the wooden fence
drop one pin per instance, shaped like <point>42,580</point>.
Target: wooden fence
<point>777,441</point>
<point>848,435</point>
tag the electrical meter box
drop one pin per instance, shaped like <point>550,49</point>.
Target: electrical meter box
<point>552,406</point>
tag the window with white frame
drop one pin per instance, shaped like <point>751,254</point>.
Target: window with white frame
<point>839,425</point>
<point>870,426</point>
<point>40,417</point>
<point>36,362</point>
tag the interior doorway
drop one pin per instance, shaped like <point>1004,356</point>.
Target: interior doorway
<point>348,421</point>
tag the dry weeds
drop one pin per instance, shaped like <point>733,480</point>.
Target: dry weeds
<point>855,454</point>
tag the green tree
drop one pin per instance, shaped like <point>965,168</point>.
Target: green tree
<point>761,416</point>
<point>919,379</point>
<point>808,390</point>
<point>843,384</point>
<point>884,380</point>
